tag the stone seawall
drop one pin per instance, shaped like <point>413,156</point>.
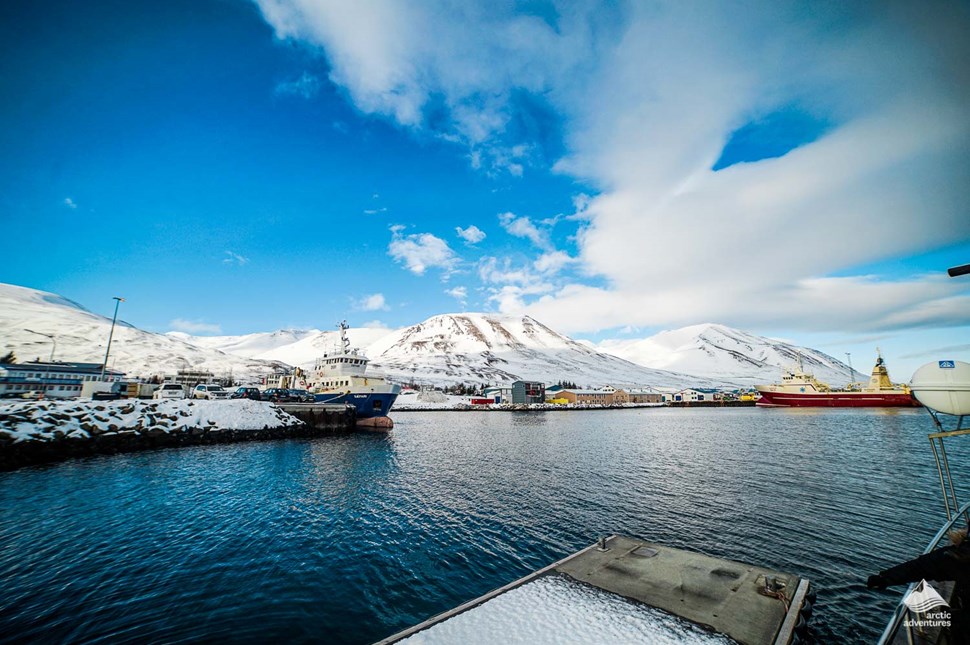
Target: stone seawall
<point>51,431</point>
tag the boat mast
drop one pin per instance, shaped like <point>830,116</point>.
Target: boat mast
<point>343,327</point>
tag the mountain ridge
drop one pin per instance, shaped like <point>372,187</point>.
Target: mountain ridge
<point>26,315</point>
<point>443,349</point>
<point>719,351</point>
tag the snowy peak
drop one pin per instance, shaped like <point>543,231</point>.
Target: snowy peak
<point>492,348</point>
<point>719,351</point>
<point>472,332</point>
<point>248,345</point>
<point>292,346</point>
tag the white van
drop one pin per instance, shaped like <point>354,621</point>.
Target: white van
<point>169,391</point>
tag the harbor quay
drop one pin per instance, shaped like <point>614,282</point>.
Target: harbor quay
<point>547,407</point>
<point>37,432</point>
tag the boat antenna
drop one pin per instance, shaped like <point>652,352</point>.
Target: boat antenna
<point>342,325</point>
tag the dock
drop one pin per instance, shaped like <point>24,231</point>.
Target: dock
<point>322,417</point>
<point>751,605</point>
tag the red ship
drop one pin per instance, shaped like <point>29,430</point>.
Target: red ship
<point>799,389</point>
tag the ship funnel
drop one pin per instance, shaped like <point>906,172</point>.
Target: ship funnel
<point>943,386</point>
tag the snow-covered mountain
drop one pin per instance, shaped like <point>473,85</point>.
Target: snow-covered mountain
<point>82,336</point>
<point>492,348</point>
<point>293,346</point>
<point>445,349</point>
<point>720,352</point>
<point>247,345</point>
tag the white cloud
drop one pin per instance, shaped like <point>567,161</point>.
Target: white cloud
<point>553,262</point>
<point>375,211</point>
<point>851,305</point>
<point>471,235</point>
<point>374,324</point>
<point>421,251</point>
<point>194,326</point>
<point>458,293</point>
<point>307,86</point>
<point>397,59</point>
<point>373,302</point>
<point>937,351</point>
<point>646,96</point>
<point>70,203</point>
<point>235,258</point>
<point>493,270</point>
<point>523,227</point>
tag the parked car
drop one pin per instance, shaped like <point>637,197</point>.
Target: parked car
<point>302,395</point>
<point>209,391</point>
<point>169,391</point>
<point>279,395</point>
<point>246,393</point>
<point>32,394</point>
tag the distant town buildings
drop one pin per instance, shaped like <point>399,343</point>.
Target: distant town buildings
<point>526,392</point>
<point>693,395</point>
<point>189,378</point>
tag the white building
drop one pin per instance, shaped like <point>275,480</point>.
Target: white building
<point>53,380</point>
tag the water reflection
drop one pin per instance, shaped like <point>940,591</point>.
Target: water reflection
<point>351,538</point>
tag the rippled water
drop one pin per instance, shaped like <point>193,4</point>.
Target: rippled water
<point>350,539</point>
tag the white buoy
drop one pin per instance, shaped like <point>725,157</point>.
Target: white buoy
<point>943,386</point>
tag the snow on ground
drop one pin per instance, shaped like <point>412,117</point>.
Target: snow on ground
<point>51,420</point>
<point>554,609</point>
<point>431,399</point>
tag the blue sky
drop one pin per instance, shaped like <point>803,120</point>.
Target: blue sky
<point>230,166</point>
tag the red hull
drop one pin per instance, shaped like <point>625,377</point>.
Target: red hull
<point>839,400</point>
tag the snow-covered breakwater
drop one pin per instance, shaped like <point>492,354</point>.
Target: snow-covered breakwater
<point>43,431</point>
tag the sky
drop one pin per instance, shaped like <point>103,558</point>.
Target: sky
<point>796,170</point>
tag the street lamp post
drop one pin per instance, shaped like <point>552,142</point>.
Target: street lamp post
<point>53,348</point>
<point>53,341</point>
<point>111,335</point>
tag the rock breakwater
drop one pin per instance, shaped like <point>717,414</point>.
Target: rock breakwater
<point>37,432</point>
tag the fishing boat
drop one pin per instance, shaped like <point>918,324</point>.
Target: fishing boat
<point>341,377</point>
<point>801,389</point>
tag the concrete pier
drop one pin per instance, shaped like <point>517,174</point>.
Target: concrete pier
<point>325,418</point>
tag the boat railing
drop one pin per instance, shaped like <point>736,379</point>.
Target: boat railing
<point>943,462</point>
<point>902,611</point>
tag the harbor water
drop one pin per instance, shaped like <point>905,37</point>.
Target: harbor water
<point>349,539</point>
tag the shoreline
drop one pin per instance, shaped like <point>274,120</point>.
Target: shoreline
<point>34,433</point>
<point>544,407</point>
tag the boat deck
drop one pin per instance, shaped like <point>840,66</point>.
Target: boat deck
<point>720,596</point>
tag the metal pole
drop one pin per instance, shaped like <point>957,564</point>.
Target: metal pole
<point>48,370</point>
<point>53,341</point>
<point>111,334</point>
<point>949,477</point>
<point>939,470</point>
